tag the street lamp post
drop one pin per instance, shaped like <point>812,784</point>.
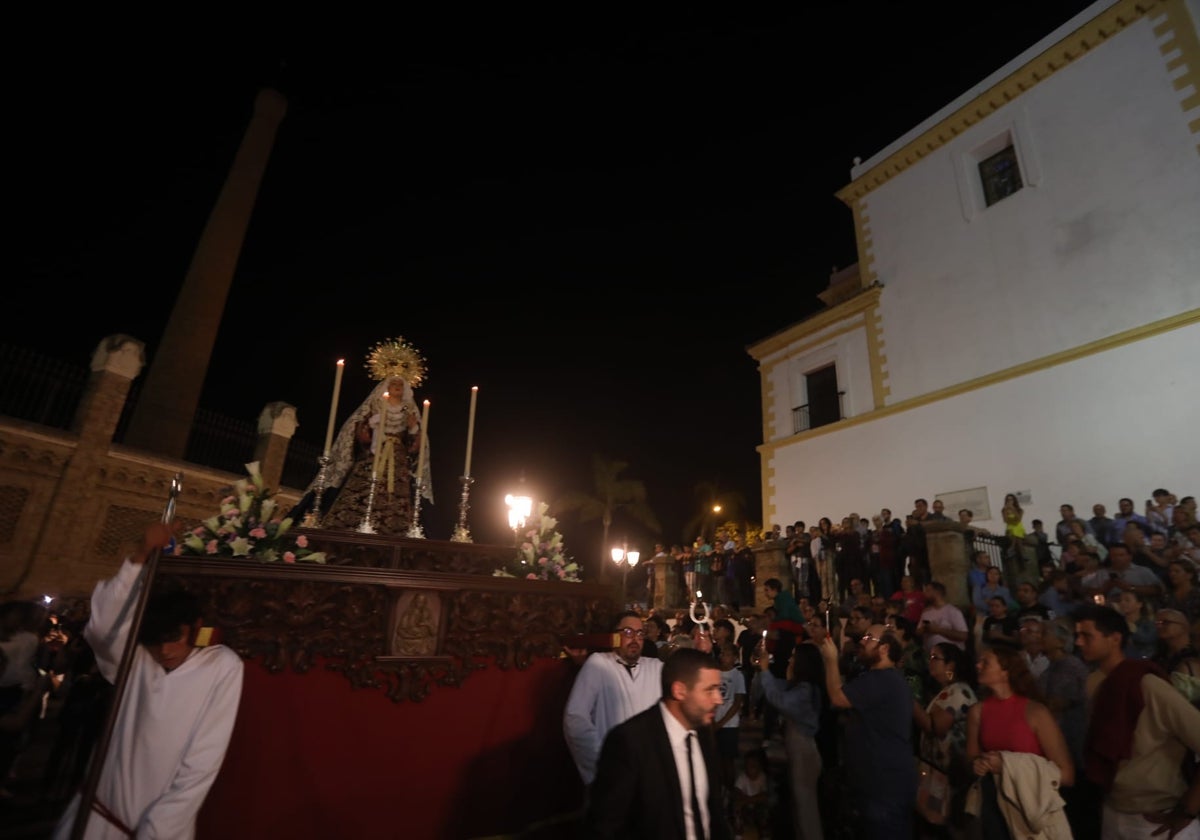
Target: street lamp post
<point>626,559</point>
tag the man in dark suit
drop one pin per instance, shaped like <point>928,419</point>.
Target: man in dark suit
<point>643,786</point>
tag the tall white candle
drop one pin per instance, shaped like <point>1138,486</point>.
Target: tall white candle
<point>424,438</point>
<point>337,390</point>
<point>471,430</point>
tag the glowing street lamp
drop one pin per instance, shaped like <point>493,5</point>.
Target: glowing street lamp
<point>519,508</point>
<point>626,559</point>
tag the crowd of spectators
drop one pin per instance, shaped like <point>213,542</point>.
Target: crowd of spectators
<point>1000,688</point>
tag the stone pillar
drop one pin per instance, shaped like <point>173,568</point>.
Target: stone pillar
<point>115,363</point>
<point>162,418</point>
<point>770,561</point>
<point>948,560</point>
<point>276,425</point>
<point>666,583</point>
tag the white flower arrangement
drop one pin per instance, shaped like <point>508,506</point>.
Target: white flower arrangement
<point>245,527</point>
<point>541,555</point>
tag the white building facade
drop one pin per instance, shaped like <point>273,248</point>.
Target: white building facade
<point>1025,313</point>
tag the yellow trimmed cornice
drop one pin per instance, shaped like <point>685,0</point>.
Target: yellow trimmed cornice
<point>1174,322</point>
<point>856,305</point>
<point>1074,46</point>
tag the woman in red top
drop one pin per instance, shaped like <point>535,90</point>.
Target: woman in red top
<point>1010,718</point>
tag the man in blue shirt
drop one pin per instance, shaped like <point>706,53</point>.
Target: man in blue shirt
<point>1123,518</point>
<point>880,770</point>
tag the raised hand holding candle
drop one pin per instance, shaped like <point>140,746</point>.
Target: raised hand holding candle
<point>424,439</point>
<point>337,390</point>
<point>470,431</point>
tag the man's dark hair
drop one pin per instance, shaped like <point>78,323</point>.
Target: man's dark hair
<point>1037,522</point>
<point>624,614</point>
<point>684,665</point>
<point>939,586</point>
<point>967,511</point>
<point>166,613</point>
<point>663,627</point>
<point>727,624</point>
<point>904,625</point>
<point>895,648</point>
<point>1067,507</point>
<point>1126,499</point>
<point>1160,492</point>
<point>1107,620</point>
<point>773,583</point>
<point>920,502</point>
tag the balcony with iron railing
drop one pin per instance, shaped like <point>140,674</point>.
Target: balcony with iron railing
<point>815,415</point>
<point>46,391</point>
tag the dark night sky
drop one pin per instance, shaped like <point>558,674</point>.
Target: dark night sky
<point>590,219</point>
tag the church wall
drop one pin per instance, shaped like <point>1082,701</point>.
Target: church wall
<point>1109,425</point>
<point>1101,239</point>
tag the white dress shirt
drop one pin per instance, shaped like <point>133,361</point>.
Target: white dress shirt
<point>677,734</point>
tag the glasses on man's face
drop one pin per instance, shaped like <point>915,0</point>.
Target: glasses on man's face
<point>630,633</point>
<point>934,658</point>
<point>869,638</point>
<point>1167,621</point>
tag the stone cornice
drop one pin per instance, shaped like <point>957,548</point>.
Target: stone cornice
<point>1074,46</point>
<point>856,305</point>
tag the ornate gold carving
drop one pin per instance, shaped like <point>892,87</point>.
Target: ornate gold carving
<point>417,616</point>
<point>351,617</point>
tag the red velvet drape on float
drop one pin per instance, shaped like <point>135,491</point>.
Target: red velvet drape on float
<point>312,757</point>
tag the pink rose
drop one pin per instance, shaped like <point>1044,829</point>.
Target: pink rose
<point>302,541</point>
<point>211,547</point>
<point>258,533</point>
<point>198,532</point>
<point>531,576</point>
<point>289,557</point>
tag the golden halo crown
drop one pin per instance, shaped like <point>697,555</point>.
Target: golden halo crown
<point>396,357</point>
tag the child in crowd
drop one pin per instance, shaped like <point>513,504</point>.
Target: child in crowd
<point>751,798</point>
<point>727,720</point>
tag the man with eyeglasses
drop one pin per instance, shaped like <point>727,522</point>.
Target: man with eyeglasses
<point>878,755</point>
<point>611,687</point>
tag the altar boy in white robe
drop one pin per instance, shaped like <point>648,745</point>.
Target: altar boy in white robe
<point>176,715</point>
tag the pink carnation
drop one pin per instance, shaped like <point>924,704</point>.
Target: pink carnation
<point>531,576</point>
<point>258,533</point>
<point>302,541</point>
<point>211,547</point>
<point>542,561</point>
<point>198,531</point>
<point>289,557</point>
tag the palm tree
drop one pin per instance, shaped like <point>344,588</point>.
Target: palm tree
<point>610,494</point>
<point>709,494</point>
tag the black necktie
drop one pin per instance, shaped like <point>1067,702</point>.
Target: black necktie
<point>697,819</point>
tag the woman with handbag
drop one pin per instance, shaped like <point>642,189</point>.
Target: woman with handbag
<point>944,771</point>
<point>1012,721</point>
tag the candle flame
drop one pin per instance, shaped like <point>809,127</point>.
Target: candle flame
<point>341,362</point>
